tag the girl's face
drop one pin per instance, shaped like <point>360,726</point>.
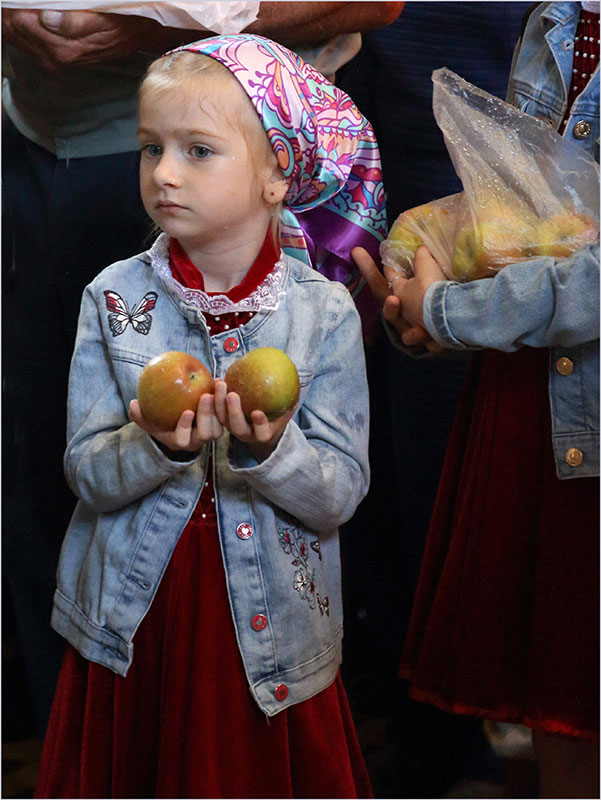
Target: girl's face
<point>196,177</point>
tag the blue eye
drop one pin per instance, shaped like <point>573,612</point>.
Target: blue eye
<point>152,150</point>
<point>200,151</point>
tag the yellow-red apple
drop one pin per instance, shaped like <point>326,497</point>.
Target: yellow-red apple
<point>266,380</point>
<point>562,234</point>
<point>483,249</point>
<point>170,384</point>
<point>407,231</point>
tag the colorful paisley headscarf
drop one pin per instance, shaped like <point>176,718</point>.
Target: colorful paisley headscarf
<point>325,148</point>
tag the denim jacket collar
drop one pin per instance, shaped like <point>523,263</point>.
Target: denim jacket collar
<point>561,19</point>
<point>562,12</point>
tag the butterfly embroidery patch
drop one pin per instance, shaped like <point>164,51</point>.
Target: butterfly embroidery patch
<point>120,316</point>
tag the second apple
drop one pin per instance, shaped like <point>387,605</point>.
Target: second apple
<point>266,380</point>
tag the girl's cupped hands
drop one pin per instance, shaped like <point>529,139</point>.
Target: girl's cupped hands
<point>192,431</point>
<point>213,415</point>
<point>259,434</point>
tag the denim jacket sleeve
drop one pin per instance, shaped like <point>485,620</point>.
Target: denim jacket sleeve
<point>323,452</point>
<point>109,461</point>
<point>541,303</point>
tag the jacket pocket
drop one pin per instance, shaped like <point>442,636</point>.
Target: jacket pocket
<point>127,366</point>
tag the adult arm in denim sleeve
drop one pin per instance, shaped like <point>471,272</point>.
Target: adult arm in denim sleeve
<point>109,461</point>
<point>319,471</point>
<point>540,303</point>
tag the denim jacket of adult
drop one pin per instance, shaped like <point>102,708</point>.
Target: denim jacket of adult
<point>277,519</point>
<point>549,303</point>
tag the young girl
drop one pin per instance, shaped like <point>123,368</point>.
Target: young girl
<point>199,581</point>
<point>505,623</point>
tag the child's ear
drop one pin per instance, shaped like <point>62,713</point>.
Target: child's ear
<point>275,191</point>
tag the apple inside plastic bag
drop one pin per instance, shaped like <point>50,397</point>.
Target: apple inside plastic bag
<point>527,192</point>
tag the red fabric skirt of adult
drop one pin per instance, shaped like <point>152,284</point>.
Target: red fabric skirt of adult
<point>505,622</point>
<point>182,723</point>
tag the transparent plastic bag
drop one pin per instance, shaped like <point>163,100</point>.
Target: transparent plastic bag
<point>225,16</point>
<point>527,192</point>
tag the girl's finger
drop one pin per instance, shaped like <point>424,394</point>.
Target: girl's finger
<point>426,267</point>
<point>416,336</point>
<point>135,413</point>
<point>261,426</point>
<point>208,426</point>
<point>236,420</point>
<point>377,283</point>
<point>395,278</point>
<point>392,310</point>
<point>183,430</point>
<point>220,405</point>
<point>434,347</point>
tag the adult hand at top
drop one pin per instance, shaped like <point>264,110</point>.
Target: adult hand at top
<point>61,39</point>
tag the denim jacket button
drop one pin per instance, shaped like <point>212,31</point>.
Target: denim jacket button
<point>231,344</point>
<point>564,366</point>
<point>574,457</point>
<point>244,531</point>
<point>258,622</point>
<point>582,129</point>
<point>281,692</point>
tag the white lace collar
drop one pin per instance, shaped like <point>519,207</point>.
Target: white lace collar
<point>266,297</point>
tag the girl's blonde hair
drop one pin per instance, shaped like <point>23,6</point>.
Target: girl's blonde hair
<point>185,69</point>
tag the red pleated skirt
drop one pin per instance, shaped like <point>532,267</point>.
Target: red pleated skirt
<point>505,622</point>
<point>182,723</point>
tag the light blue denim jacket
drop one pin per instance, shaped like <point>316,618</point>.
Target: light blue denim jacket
<point>277,519</point>
<point>552,304</point>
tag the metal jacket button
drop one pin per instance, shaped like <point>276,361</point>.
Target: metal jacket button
<point>582,129</point>
<point>258,622</point>
<point>231,344</point>
<point>244,531</point>
<point>574,457</point>
<point>564,366</point>
<point>281,692</point>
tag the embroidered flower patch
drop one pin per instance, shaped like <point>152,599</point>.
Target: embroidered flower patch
<point>293,543</point>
